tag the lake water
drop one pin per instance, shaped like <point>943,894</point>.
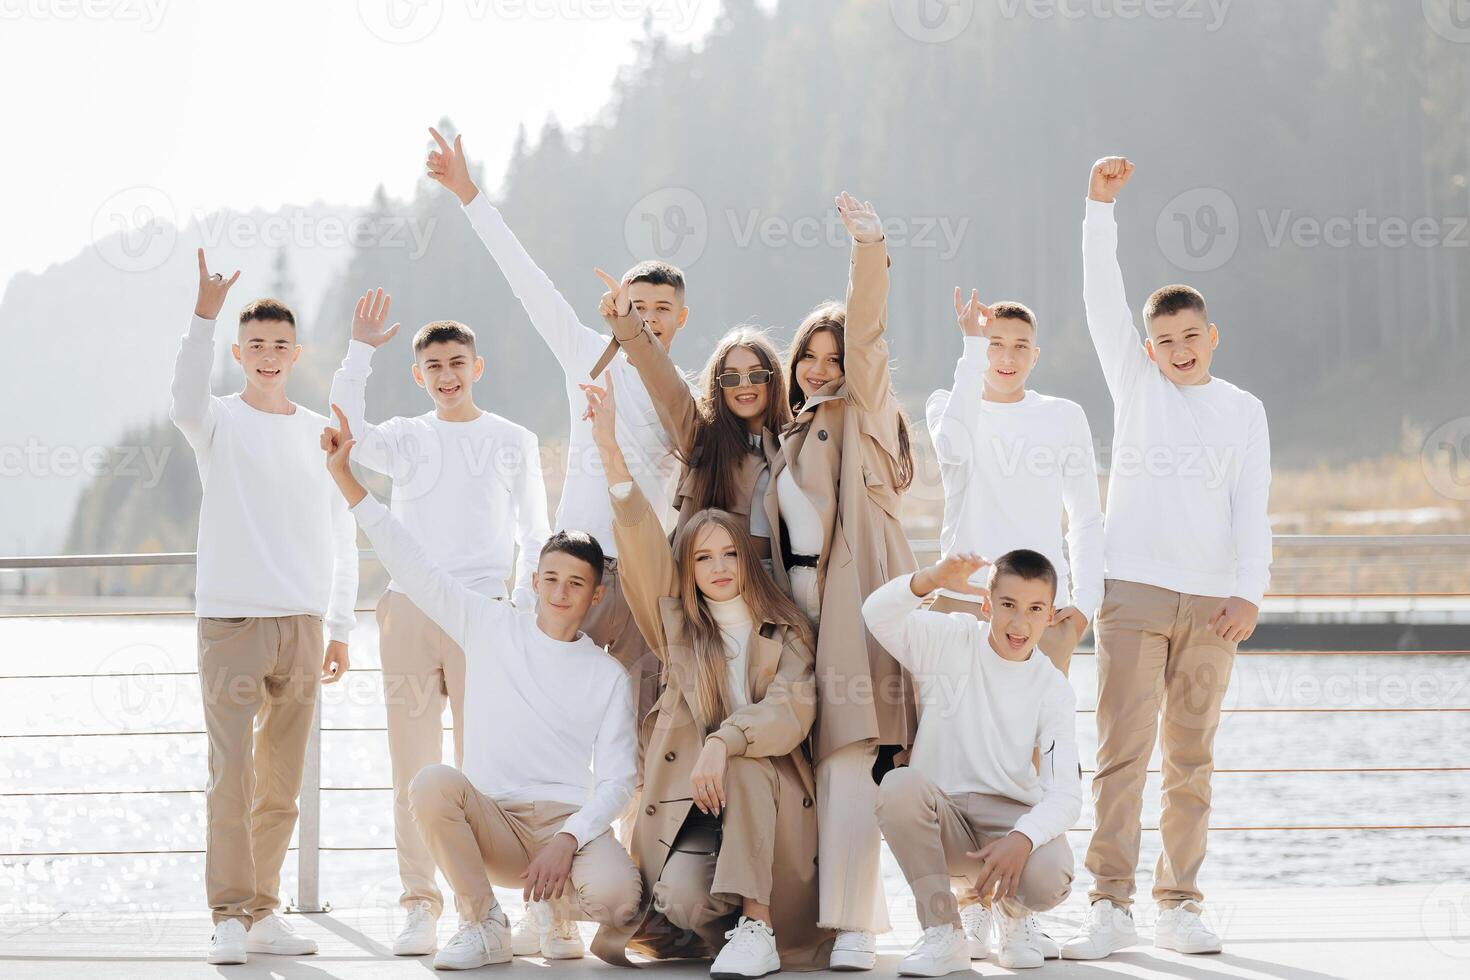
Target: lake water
<point>357,815</point>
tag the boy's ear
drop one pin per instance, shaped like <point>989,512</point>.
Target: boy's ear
<point>235,349</point>
<point>1148,346</point>
<point>418,376</point>
<point>1214,337</point>
<point>535,576</point>
<point>985,606</point>
<point>683,315</point>
<point>597,594</point>
<point>479,367</point>
<point>296,354</point>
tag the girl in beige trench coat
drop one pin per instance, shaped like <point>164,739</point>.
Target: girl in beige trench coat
<point>834,504</point>
<point>725,836</point>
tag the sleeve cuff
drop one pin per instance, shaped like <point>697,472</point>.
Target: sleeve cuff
<point>575,824</point>
<point>201,329</point>
<point>339,634</point>
<point>734,738</point>
<point>359,355</point>
<point>1101,209</point>
<point>369,511</point>
<point>1250,593</point>
<point>1027,826</point>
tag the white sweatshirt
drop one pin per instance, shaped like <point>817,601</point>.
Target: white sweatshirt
<point>470,492</point>
<point>1191,464</point>
<point>647,447</point>
<point>275,537</point>
<point>980,715</point>
<point>1011,471</point>
<point>544,719</point>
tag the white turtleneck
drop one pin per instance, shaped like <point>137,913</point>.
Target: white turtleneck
<point>734,620</point>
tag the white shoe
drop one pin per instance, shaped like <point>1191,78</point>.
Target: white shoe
<point>1020,942</point>
<point>274,934</point>
<point>227,945</point>
<point>477,943</point>
<point>1048,946</point>
<point>420,933</point>
<point>526,941</point>
<point>940,950</point>
<point>1182,930</point>
<point>975,920</point>
<point>750,952</point>
<point>854,951</point>
<point>563,941</point>
<point>1108,929</point>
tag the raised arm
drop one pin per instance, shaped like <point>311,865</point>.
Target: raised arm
<point>533,526</point>
<point>1109,319</point>
<point>865,361</point>
<point>576,346</point>
<point>672,399</point>
<point>914,637</point>
<point>614,767</point>
<point>375,448</point>
<point>953,415</point>
<point>779,722</point>
<point>191,406</point>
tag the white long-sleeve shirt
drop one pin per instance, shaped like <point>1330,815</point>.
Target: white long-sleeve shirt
<point>1011,471</point>
<point>647,447</point>
<point>544,719</point>
<point>980,715</point>
<point>1191,464</point>
<point>484,474</point>
<point>275,537</point>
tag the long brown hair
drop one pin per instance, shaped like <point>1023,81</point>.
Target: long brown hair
<point>831,316</point>
<point>722,440</point>
<point>767,603</point>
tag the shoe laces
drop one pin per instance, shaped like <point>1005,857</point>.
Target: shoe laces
<point>1019,929</point>
<point>854,939</point>
<point>1100,916</point>
<point>1187,918</point>
<point>418,913</point>
<point>935,940</point>
<point>747,932</point>
<point>565,929</point>
<point>976,921</point>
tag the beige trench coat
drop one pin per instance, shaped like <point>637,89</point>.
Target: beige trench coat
<point>775,725</point>
<point>842,448</point>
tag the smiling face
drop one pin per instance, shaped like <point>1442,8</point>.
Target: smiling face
<point>1012,353</point>
<point>661,308</point>
<point>716,563</point>
<point>1020,610</point>
<point>266,350</point>
<point>747,401</point>
<point>819,362</point>
<point>1182,344</point>
<point>566,587</point>
<point>448,370</point>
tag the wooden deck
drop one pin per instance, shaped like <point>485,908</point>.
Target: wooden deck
<point>1417,931</point>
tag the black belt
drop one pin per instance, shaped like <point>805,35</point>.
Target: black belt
<point>802,561</point>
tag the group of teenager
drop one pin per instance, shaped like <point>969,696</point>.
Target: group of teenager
<point>694,706</point>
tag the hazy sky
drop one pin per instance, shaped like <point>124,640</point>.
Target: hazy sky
<point>269,102</point>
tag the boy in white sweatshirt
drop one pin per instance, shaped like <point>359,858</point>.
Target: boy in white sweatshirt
<point>972,803</point>
<point>1188,555</point>
<point>550,744</point>
<point>484,472</point>
<point>277,553</point>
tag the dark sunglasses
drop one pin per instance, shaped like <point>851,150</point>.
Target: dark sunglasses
<point>733,379</point>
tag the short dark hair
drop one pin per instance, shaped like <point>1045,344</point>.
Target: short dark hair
<point>1027,564</point>
<point>658,273</point>
<point>1009,310</point>
<point>578,544</point>
<point>267,309</point>
<point>441,332</point>
<point>1173,299</point>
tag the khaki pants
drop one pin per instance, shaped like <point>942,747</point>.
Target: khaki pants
<point>929,834</point>
<point>610,624</point>
<point>1057,642</point>
<point>717,863</point>
<point>849,846</point>
<point>479,842</point>
<point>422,668</point>
<point>259,678</point>
<point>1156,654</point>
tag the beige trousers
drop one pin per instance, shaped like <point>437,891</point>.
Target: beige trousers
<point>259,678</point>
<point>478,842</point>
<point>930,834</point>
<point>1156,655</point>
<point>422,669</point>
<point>610,624</point>
<point>849,845</point>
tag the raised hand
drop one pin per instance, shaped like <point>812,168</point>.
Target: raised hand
<point>972,315</point>
<point>1109,176</point>
<point>602,410</point>
<point>952,573</point>
<point>1070,614</point>
<point>615,303</point>
<point>337,443</point>
<point>859,218</point>
<point>369,317</point>
<point>212,291</point>
<point>449,167</point>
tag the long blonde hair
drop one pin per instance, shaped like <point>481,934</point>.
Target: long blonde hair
<point>767,603</point>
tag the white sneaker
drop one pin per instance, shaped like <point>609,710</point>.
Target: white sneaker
<point>274,934</point>
<point>940,950</point>
<point>477,943</point>
<point>975,920</point>
<point>1048,946</point>
<point>563,941</point>
<point>750,952</point>
<point>1182,930</point>
<point>526,941</point>
<point>420,933</point>
<point>1108,929</point>
<point>854,951</point>
<point>1020,942</point>
<point>227,945</point>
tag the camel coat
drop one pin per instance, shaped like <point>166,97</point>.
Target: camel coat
<point>774,725</point>
<point>842,448</point>
<point>678,410</point>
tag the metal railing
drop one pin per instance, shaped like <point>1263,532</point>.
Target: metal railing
<point>309,847</point>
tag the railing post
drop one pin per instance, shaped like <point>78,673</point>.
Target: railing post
<point>308,827</point>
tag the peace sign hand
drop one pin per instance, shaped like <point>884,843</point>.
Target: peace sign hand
<point>212,291</point>
<point>972,315</point>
